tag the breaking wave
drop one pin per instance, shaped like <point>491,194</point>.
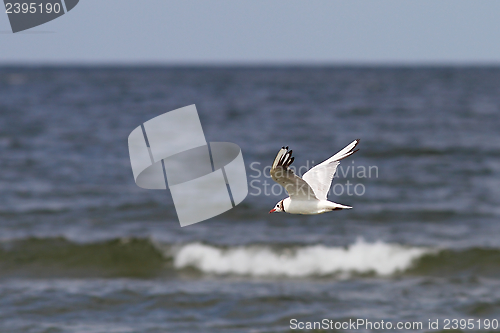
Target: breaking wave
<point>316,260</point>
<point>146,258</point>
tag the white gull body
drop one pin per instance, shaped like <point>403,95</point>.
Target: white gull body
<point>307,195</point>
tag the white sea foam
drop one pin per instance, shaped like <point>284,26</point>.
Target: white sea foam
<point>360,257</point>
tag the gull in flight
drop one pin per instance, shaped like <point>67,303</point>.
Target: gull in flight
<point>307,195</point>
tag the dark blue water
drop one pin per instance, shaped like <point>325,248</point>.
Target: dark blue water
<point>83,249</point>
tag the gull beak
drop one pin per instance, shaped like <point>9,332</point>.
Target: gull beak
<point>272,211</point>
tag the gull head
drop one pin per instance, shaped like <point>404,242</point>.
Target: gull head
<point>278,208</point>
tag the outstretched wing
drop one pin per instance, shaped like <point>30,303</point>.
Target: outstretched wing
<point>320,177</point>
<point>296,187</point>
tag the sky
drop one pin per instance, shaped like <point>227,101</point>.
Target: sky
<point>262,32</point>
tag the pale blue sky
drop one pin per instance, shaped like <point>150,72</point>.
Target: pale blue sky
<point>263,31</point>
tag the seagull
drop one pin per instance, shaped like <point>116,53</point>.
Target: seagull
<point>307,195</point>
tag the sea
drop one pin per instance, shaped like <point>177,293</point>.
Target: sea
<point>83,249</point>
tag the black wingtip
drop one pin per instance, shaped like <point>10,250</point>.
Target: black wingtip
<point>286,159</point>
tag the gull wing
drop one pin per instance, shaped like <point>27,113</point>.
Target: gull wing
<point>296,187</point>
<point>320,177</point>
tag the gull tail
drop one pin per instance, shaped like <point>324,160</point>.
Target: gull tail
<point>336,206</point>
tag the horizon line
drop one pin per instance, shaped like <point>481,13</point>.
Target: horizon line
<point>249,64</point>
